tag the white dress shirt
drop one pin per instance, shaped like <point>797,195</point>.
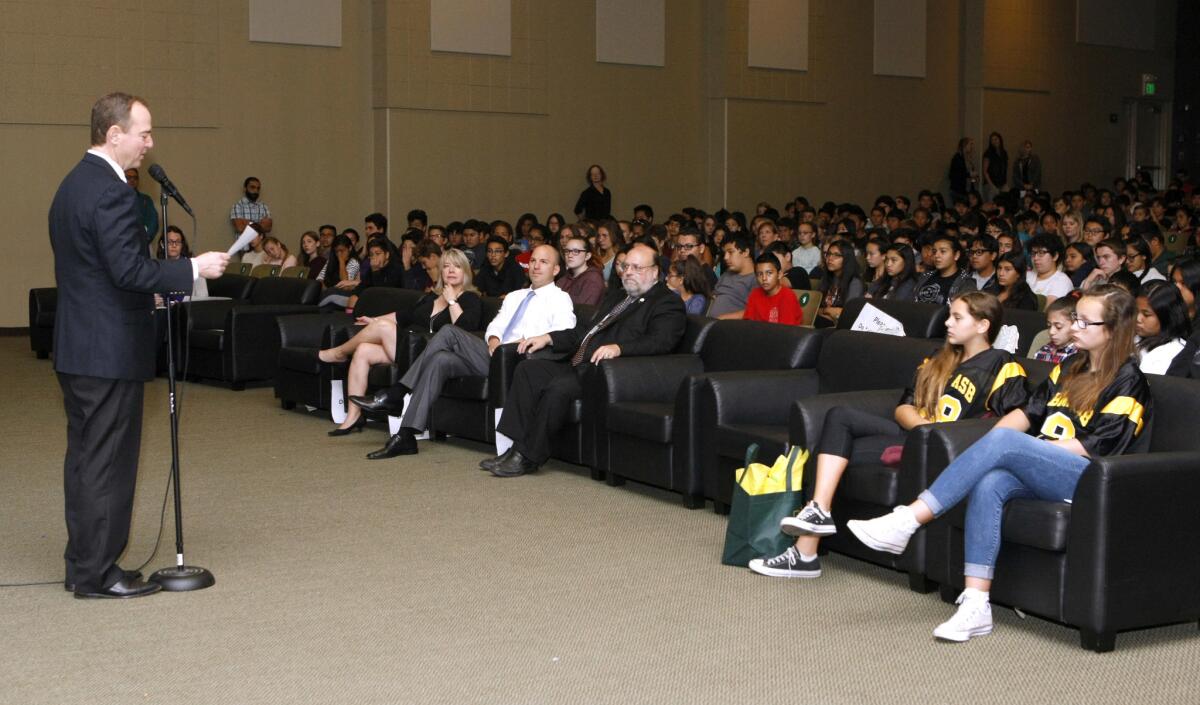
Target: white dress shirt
<point>551,309</point>
<point>121,175</point>
<point>1057,285</point>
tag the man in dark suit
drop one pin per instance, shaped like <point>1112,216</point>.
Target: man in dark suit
<point>643,318</point>
<point>104,340</point>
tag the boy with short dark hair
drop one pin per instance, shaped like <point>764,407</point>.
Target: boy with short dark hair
<point>771,301</point>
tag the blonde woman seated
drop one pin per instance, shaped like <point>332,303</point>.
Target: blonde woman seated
<point>453,301</point>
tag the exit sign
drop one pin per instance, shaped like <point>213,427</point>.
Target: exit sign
<point>1149,84</point>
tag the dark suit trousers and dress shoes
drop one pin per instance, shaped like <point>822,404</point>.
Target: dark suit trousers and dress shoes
<point>514,466</point>
<point>403,442</point>
<point>123,589</point>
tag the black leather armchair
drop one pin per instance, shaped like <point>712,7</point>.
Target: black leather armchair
<point>42,304</point>
<point>231,286</point>
<point>652,423</point>
<point>300,377</point>
<point>238,341</point>
<point>757,407</point>
<point>919,320</point>
<point>1115,558</point>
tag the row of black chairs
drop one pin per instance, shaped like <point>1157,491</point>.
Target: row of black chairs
<point>1114,559</point>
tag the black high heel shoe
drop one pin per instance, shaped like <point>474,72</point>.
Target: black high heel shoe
<point>353,428</point>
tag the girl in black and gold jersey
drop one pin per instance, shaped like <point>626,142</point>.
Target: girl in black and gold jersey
<point>1095,403</point>
<point>966,379</point>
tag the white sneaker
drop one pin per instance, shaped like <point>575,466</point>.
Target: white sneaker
<point>889,533</point>
<point>973,618</point>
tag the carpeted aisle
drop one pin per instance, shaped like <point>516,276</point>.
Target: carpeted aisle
<point>425,580</point>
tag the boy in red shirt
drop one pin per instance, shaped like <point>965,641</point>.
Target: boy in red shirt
<point>771,301</point>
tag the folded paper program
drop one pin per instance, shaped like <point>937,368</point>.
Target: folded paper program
<point>872,320</point>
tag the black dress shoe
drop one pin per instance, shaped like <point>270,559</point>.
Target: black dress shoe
<point>382,401</point>
<point>404,442</point>
<point>489,463</point>
<point>121,590</point>
<point>355,427</point>
<point>129,575</point>
<point>515,465</point>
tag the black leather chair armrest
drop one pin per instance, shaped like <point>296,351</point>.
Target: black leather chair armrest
<point>42,301</point>
<point>207,315</point>
<point>306,330</point>
<point>649,378</point>
<point>500,374</point>
<point>808,413</point>
<point>1131,548</point>
<point>410,342</point>
<point>759,396</point>
<point>252,339</point>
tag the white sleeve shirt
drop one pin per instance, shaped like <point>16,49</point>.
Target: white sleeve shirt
<point>551,309</point>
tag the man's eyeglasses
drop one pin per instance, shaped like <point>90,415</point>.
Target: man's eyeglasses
<point>978,252</point>
<point>574,251</point>
<point>1037,252</point>
<point>1081,324</point>
<point>636,268</point>
<point>689,246</point>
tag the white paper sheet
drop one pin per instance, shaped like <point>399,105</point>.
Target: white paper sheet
<point>243,240</point>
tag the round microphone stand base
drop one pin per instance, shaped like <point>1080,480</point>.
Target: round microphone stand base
<point>183,578</point>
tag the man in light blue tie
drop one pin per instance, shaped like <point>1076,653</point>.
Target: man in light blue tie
<point>453,352</point>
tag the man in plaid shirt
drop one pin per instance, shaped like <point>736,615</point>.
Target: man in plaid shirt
<point>248,210</point>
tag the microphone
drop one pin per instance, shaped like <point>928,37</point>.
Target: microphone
<point>157,173</point>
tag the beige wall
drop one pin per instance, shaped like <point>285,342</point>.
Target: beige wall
<point>383,123</point>
<point>297,117</point>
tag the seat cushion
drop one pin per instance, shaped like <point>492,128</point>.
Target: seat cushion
<point>870,482</point>
<point>469,387</point>
<point>1037,523</point>
<point>648,420</point>
<point>207,339</point>
<point>300,360</point>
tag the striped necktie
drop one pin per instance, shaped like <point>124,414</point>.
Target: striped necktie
<point>516,319</point>
<point>577,358</point>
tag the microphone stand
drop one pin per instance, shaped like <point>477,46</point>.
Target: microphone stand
<point>182,577</point>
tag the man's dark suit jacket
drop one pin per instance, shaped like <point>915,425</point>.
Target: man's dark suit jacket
<point>652,325</point>
<point>104,324</point>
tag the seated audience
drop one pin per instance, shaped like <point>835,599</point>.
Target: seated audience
<point>966,379</point>
<point>982,252</point>
<point>689,279</point>
<point>1110,259</point>
<point>500,273</point>
<point>423,275</point>
<point>453,302</point>
<point>1163,327</point>
<point>1078,263</point>
<point>807,253</point>
<point>899,279</point>
<point>1059,323</point>
<point>793,277</point>
<point>1045,253</point>
<point>1014,289</point>
<point>736,280</point>
<point>173,244</point>
<point>945,279</point>
<point>340,273</point>
<point>310,254</point>
<point>276,253</point>
<point>386,269</point>
<point>582,280</point>
<point>839,284</point>
<point>609,239</point>
<point>1038,452</point>
<point>771,301</point>
<point>644,319</point>
<point>876,270</point>
<point>1137,261</point>
<point>525,315</point>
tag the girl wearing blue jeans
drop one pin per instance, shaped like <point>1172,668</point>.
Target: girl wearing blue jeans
<point>1094,403</point>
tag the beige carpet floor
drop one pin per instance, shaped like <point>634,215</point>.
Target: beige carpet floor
<point>425,580</point>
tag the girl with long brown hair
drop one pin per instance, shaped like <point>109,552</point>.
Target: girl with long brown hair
<point>1095,403</point>
<point>965,379</point>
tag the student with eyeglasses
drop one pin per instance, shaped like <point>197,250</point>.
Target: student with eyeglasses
<point>1095,403</point>
<point>1045,254</point>
<point>981,255</point>
<point>582,280</point>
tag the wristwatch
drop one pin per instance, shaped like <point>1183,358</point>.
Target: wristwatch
<point>451,302</point>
